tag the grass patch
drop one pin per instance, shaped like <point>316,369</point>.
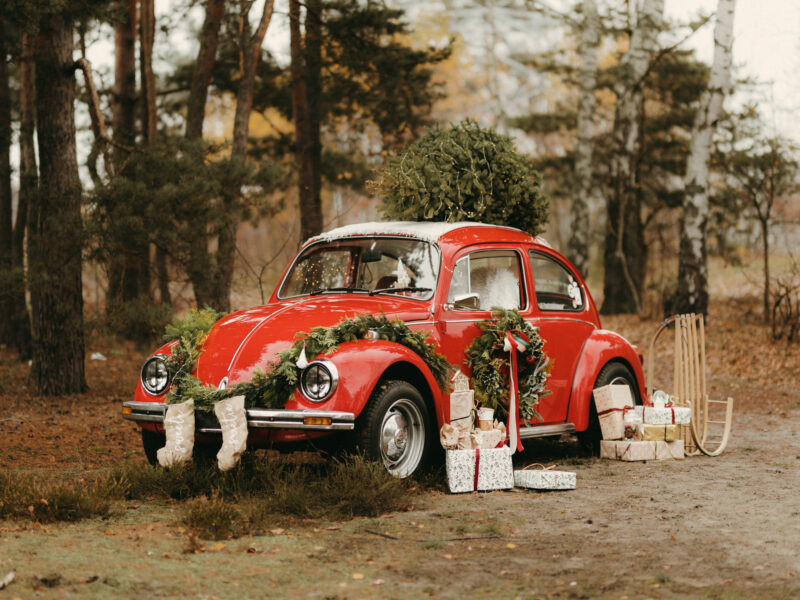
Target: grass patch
<point>213,518</point>
<point>48,501</point>
<point>219,505</point>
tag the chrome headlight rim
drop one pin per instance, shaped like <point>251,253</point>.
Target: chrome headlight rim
<point>333,374</point>
<point>155,391</point>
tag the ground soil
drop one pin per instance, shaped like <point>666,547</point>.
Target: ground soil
<point>726,527</point>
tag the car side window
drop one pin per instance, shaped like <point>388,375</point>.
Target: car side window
<point>556,288</point>
<point>485,280</point>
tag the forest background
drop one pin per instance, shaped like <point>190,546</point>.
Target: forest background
<point>159,156</point>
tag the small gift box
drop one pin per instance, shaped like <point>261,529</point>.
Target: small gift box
<point>611,402</point>
<point>641,450</point>
<point>667,415</point>
<point>661,433</point>
<point>544,480</point>
<point>479,470</point>
<point>486,439</point>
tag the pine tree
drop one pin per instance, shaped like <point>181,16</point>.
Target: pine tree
<point>464,173</point>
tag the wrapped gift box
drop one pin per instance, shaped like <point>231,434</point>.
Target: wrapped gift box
<point>486,439</point>
<point>669,450</point>
<point>641,450</point>
<point>462,409</point>
<point>611,402</point>
<point>545,480</point>
<point>670,415</point>
<point>660,433</point>
<point>495,470</point>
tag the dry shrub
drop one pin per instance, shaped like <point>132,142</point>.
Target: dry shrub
<point>214,518</point>
<point>785,316</point>
<point>50,501</point>
<point>359,487</point>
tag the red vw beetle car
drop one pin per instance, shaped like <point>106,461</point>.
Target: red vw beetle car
<point>442,278</point>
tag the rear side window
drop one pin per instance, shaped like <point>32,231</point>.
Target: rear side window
<point>557,289</point>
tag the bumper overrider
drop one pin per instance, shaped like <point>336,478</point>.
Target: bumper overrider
<point>257,418</point>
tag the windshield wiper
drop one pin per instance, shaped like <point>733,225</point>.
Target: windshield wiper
<point>337,289</point>
<point>410,288</point>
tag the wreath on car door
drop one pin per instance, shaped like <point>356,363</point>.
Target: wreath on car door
<point>490,364</point>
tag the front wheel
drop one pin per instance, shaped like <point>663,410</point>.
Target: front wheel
<point>396,428</point>
<point>614,373</point>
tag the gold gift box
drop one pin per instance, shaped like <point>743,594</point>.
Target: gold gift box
<point>660,433</point>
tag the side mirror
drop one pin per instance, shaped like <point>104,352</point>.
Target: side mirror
<point>470,301</point>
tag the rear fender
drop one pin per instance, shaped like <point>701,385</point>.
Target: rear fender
<point>601,348</point>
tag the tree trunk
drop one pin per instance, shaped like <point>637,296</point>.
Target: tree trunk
<point>578,245</point>
<point>28,178</point>
<point>6,231</point>
<point>55,227</point>
<point>123,106</point>
<point>206,56</point>
<point>625,252</point>
<point>200,270</point>
<point>765,246</point>
<point>692,291</point>
<point>249,54</point>
<point>162,271</point>
<point>314,96</point>
<point>146,39</point>
<point>310,211</point>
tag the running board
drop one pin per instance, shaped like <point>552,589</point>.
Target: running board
<point>546,430</point>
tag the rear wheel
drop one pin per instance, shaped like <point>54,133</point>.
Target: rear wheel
<point>152,441</point>
<point>614,373</point>
<point>396,428</point>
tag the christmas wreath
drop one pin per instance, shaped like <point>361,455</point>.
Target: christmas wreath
<point>489,362</point>
<point>274,387</point>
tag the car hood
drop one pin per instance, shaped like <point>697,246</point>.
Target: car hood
<point>249,340</point>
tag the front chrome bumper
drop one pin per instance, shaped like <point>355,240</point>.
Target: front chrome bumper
<point>258,418</point>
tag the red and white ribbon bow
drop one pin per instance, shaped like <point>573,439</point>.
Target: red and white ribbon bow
<point>512,346</point>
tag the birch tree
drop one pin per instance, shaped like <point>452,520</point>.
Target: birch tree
<point>625,264</point>
<point>692,290</point>
<point>578,248</point>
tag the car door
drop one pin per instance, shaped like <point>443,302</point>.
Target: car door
<point>559,308</point>
<point>481,278</point>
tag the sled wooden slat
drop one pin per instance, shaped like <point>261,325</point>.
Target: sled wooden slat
<point>689,386</point>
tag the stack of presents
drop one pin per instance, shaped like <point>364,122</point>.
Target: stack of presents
<point>479,457</point>
<point>632,433</point>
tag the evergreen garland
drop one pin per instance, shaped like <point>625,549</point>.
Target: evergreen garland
<point>275,387</point>
<point>490,365</point>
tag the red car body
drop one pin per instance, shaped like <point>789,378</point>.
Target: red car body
<point>248,340</point>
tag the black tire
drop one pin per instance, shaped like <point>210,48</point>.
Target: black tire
<point>396,428</point>
<point>152,441</point>
<point>613,373</point>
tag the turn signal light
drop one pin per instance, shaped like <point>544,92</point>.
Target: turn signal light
<point>126,410</point>
<point>316,421</point>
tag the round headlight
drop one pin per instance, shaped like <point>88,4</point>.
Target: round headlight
<point>319,380</point>
<point>155,377</point>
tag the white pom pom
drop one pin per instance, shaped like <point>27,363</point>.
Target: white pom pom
<point>302,361</point>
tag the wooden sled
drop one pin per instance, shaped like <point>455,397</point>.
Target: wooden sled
<point>710,427</point>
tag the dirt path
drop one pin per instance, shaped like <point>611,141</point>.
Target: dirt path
<point>726,527</point>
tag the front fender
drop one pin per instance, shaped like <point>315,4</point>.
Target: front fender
<point>601,348</point>
<point>361,365</point>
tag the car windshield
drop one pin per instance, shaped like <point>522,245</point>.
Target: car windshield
<point>375,265</point>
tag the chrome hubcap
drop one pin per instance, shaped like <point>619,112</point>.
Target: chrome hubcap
<point>402,438</point>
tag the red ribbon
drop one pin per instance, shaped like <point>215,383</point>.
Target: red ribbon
<point>477,467</point>
<point>610,410</point>
<point>513,400</point>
